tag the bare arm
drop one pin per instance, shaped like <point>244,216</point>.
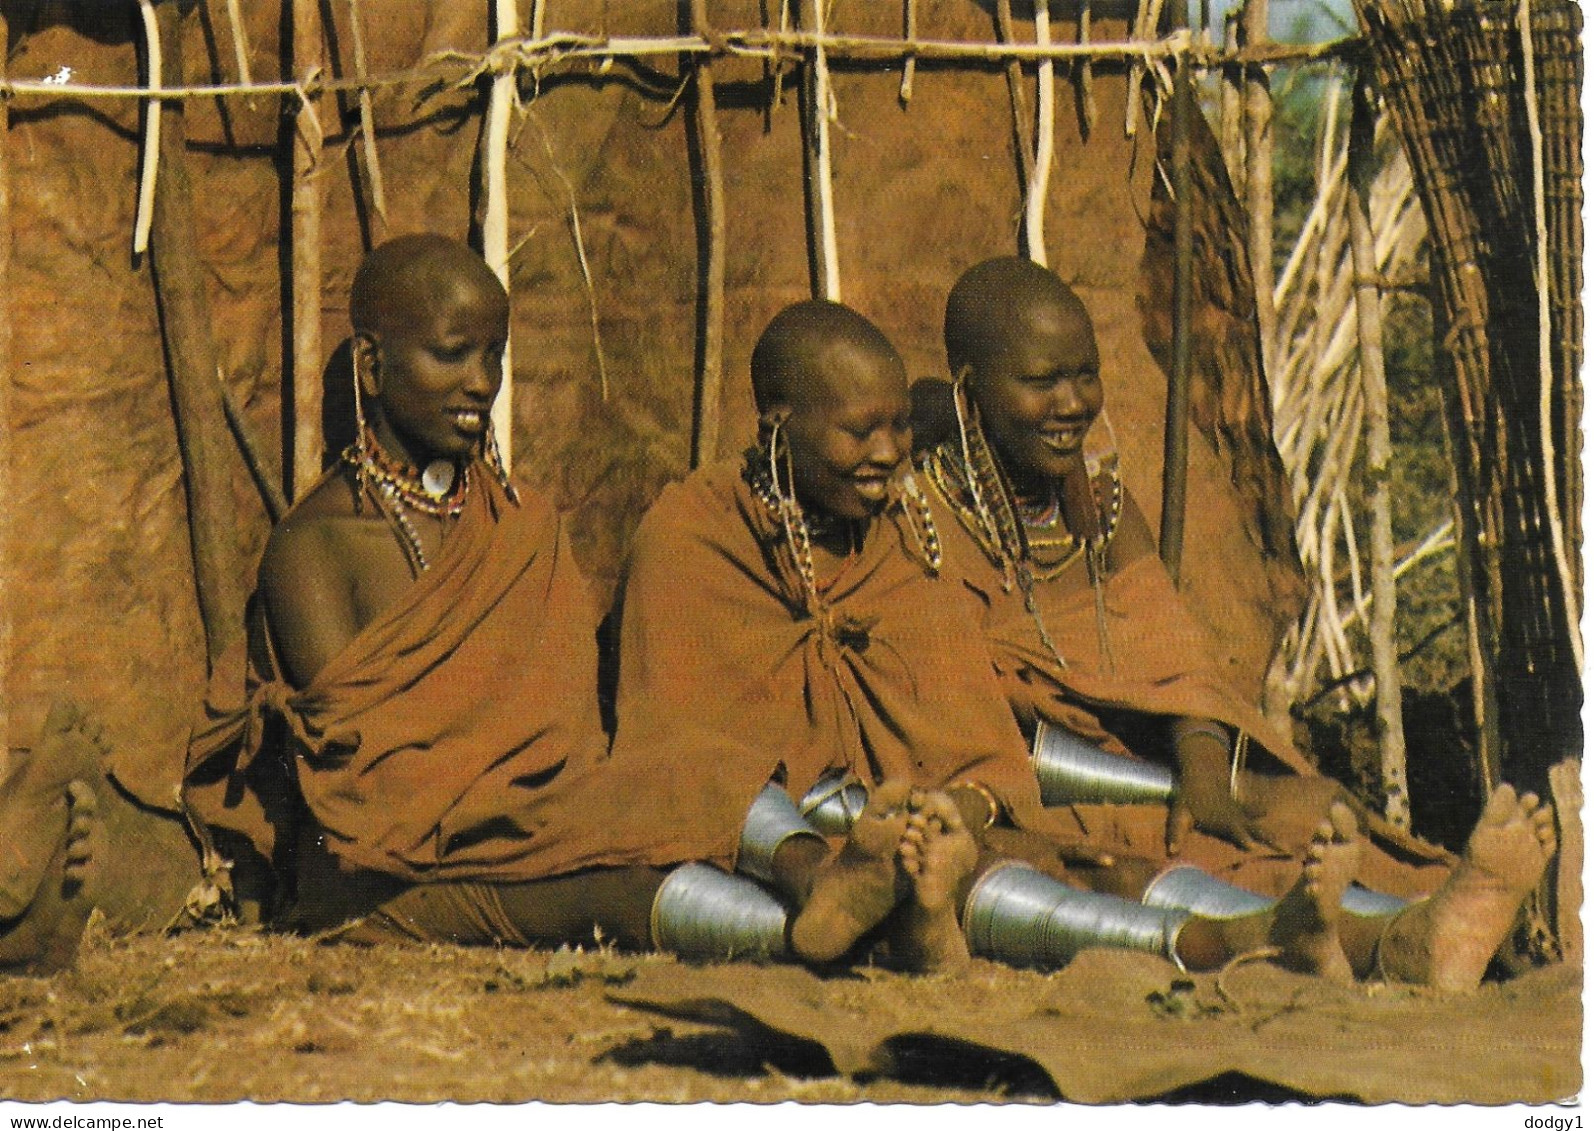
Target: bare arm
<point>309,597</point>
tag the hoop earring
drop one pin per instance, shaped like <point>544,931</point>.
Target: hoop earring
<point>792,520</point>
<point>358,453</point>
<point>495,463</point>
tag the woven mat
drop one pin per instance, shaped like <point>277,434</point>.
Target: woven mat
<point>1113,1027</point>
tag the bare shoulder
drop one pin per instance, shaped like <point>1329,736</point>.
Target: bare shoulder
<point>308,534</point>
<point>309,578</point>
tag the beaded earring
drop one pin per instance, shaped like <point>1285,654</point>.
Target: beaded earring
<point>921,522</point>
<point>495,463</point>
<point>790,512</point>
<point>358,453</point>
<point>989,496</point>
<point>992,502</point>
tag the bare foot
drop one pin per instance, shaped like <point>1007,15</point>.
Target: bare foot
<point>858,887</point>
<point>1305,921</point>
<point>33,803</point>
<point>45,936</point>
<point>1446,941</point>
<point>938,853</point>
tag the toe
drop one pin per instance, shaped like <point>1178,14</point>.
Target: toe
<point>1501,802</point>
<point>891,795</point>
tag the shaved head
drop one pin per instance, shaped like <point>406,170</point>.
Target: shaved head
<point>411,274</point>
<point>993,306</point>
<point>806,348</point>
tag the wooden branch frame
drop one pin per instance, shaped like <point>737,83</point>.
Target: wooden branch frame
<point>570,48</point>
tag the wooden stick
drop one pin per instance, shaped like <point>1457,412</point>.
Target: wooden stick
<point>1541,278</point>
<point>196,396</point>
<point>305,208</point>
<point>373,164</point>
<point>240,40</point>
<point>7,601</point>
<point>910,32</point>
<point>774,62</point>
<point>1259,180</point>
<point>269,485</point>
<point>706,426</point>
<point>1230,134</point>
<point>539,17</point>
<point>1085,76</point>
<point>152,132</point>
<point>495,195</point>
<point>823,256</point>
<point>1137,71</point>
<point>1176,428</point>
<point>1370,333</point>
<point>1045,138</point>
<point>1015,93</point>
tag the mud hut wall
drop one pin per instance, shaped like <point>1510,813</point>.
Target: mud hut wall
<point>102,584</point>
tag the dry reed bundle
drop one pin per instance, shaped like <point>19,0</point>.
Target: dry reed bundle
<point>1319,404</point>
<point>1456,78</point>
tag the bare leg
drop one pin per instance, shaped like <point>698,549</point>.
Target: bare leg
<point>854,890</point>
<point>45,936</point>
<point>938,853</point>
<point>33,803</point>
<point>1446,941</point>
<point>1303,925</point>
<point>612,903</point>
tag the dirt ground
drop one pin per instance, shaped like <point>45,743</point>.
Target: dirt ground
<point>230,1015</point>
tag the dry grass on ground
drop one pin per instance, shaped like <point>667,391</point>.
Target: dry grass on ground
<point>240,1015</point>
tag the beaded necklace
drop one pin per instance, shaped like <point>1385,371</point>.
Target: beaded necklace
<point>440,490</point>
<point>1027,543</point>
<point>761,471</point>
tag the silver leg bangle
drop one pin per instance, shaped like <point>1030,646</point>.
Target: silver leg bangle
<point>1023,917</point>
<point>771,821</point>
<point>1370,904</point>
<point>1188,888</point>
<point>1071,770</point>
<point>708,915</point>
<point>835,803</point>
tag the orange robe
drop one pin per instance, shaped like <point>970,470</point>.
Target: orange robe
<point>455,738</point>
<point>1160,667</point>
<point>723,664</point>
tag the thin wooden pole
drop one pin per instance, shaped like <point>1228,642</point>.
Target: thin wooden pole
<point>1045,135</point>
<point>1361,168</point>
<point>6,602</point>
<point>191,359</point>
<point>305,208</point>
<point>1084,76</point>
<point>910,32</point>
<point>1014,70</point>
<point>1176,429</point>
<point>495,220</point>
<point>1230,132</point>
<point>823,256</point>
<point>1259,179</point>
<point>706,427</point>
<point>1485,704</point>
<point>373,162</point>
<point>144,216</point>
<point>240,40</point>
